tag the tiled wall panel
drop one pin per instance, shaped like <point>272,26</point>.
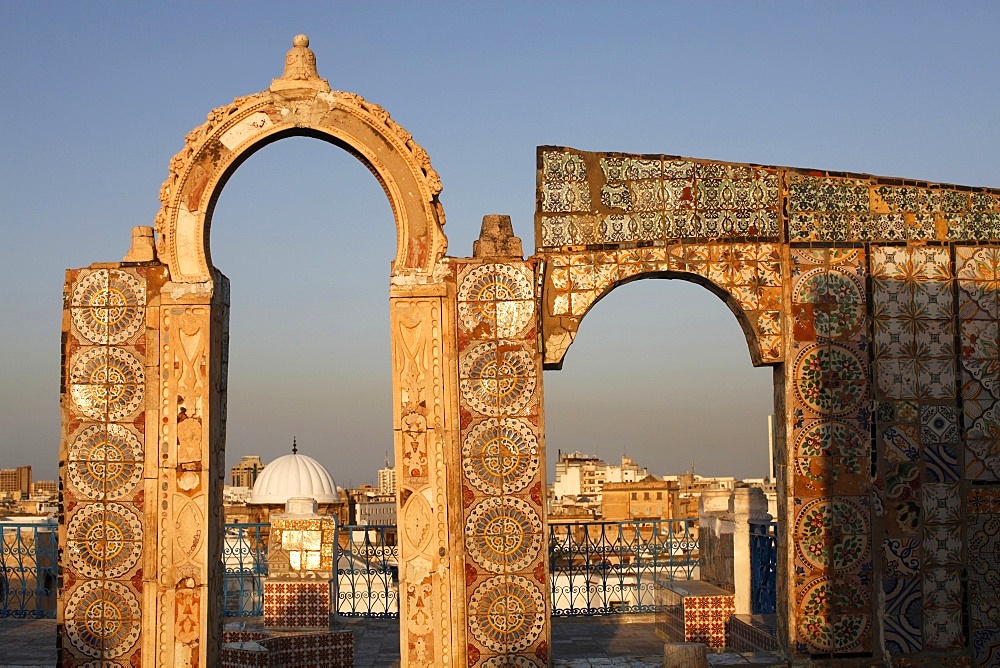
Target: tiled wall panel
<point>102,465</point>
<point>502,482</point>
<point>829,401</point>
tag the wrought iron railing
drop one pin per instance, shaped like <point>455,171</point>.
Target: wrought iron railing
<point>601,568</point>
<point>367,571</point>
<point>763,567</point>
<point>29,556</point>
<point>244,557</point>
<point>596,567</point>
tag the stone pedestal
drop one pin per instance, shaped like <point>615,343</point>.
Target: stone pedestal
<point>300,567</point>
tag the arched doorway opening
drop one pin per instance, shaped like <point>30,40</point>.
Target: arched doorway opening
<point>656,406</point>
<point>304,236</point>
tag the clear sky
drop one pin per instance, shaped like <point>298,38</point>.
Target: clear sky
<point>98,97</point>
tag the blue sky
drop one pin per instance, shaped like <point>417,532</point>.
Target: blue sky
<point>99,96</point>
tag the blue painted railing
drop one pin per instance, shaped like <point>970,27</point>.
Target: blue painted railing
<point>602,568</point>
<point>763,567</point>
<point>596,568</point>
<point>29,556</point>
<point>244,557</point>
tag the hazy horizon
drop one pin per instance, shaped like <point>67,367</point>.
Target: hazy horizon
<point>102,96</point>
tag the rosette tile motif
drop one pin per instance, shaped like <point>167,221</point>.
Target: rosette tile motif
<point>503,534</point>
<point>498,378</point>
<point>498,298</point>
<point>506,613</point>
<point>107,383</point>
<point>103,619</point>
<point>500,455</point>
<point>107,307</point>
<point>106,540</point>
<point>105,461</point>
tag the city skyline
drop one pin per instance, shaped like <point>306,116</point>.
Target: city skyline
<point>106,96</point>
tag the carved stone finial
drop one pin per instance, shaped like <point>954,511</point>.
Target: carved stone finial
<point>496,239</point>
<point>300,69</point>
<point>143,249</point>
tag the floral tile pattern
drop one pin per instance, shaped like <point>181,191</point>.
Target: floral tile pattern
<point>913,309</point>
<point>830,397</point>
<point>983,536</point>
<point>598,198</point>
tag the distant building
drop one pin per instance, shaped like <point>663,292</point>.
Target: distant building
<point>580,481</point>
<point>235,496</point>
<point>649,498</point>
<point>387,481</point>
<point>16,480</point>
<point>245,473</point>
<point>47,488</point>
<point>690,487</point>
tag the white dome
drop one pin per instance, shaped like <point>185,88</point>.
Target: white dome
<point>293,475</point>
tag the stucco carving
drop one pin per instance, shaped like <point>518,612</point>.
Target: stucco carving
<point>298,103</point>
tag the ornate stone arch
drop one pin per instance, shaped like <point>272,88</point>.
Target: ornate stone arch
<point>298,103</point>
<point>746,276</point>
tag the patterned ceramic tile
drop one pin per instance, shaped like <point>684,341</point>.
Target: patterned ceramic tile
<point>943,627</point>
<point>986,647</point>
<point>903,614</point>
<point>296,604</point>
<point>940,463</point>
<point>901,557</point>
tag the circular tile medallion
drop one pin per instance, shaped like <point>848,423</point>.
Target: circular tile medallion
<point>506,613</point>
<point>499,296</point>
<point>503,534</point>
<point>107,384</point>
<point>830,379</point>
<point>500,455</point>
<point>103,619</point>
<point>105,461</point>
<point>106,306</point>
<point>497,379</point>
<point>104,541</point>
<point>838,298</point>
<point>831,533</point>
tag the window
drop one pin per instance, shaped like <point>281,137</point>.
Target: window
<point>635,496</point>
<point>645,496</point>
<point>659,496</point>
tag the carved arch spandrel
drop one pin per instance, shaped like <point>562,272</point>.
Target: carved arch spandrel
<point>232,133</point>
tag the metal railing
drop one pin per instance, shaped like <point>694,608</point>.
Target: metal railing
<point>596,568</point>
<point>763,567</point>
<point>601,568</point>
<point>244,557</point>
<point>29,556</point>
<point>367,571</point>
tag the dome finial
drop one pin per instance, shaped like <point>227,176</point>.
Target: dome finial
<point>295,447</point>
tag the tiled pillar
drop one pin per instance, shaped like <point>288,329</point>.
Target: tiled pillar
<point>108,463</point>
<point>499,369</point>
<point>828,399</point>
<point>978,274</point>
